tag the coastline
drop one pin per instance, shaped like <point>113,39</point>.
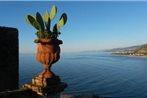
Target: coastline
<point>137,56</point>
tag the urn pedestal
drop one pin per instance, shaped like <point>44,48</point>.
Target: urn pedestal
<point>48,52</point>
<point>46,86</point>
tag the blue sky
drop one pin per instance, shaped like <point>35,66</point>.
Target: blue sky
<point>90,26</point>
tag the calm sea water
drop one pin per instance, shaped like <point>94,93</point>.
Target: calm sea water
<point>94,73</point>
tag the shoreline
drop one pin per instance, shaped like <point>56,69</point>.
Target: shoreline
<point>136,56</point>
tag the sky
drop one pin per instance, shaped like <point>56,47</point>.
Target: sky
<point>91,25</point>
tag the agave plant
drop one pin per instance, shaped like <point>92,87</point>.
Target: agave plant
<point>43,23</point>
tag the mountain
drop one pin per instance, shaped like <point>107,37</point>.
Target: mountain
<point>125,49</point>
<point>140,50</point>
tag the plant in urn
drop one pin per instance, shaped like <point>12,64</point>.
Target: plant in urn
<point>48,49</point>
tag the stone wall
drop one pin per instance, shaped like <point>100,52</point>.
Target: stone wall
<point>8,58</point>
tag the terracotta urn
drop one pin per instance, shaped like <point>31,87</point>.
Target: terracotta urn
<point>48,52</point>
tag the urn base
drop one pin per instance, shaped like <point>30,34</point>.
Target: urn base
<point>46,86</point>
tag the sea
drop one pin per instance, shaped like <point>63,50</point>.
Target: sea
<point>93,73</point>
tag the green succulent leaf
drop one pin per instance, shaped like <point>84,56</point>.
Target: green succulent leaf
<point>37,25</point>
<point>30,19</point>
<point>46,17</point>
<point>47,20</point>
<point>43,23</point>
<point>40,34</point>
<point>46,34</point>
<point>53,12</point>
<point>34,16</point>
<point>56,28</point>
<point>40,21</point>
<point>63,20</point>
<point>48,25</point>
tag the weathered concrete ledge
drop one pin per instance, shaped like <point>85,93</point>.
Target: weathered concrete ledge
<point>25,93</point>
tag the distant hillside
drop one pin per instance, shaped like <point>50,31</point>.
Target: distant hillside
<point>125,49</point>
<point>141,50</point>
